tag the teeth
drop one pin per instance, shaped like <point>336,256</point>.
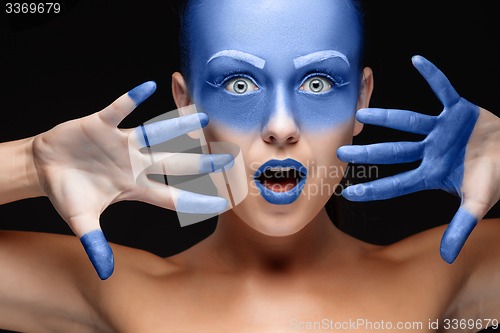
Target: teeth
<point>276,169</point>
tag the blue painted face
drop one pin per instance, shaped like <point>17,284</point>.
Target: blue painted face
<point>252,60</point>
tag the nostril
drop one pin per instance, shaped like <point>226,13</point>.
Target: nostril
<point>270,139</point>
<point>281,130</point>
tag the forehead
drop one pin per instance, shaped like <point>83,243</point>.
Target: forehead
<point>274,29</point>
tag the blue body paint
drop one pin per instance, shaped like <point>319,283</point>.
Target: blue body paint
<point>193,203</point>
<point>142,92</point>
<point>215,163</point>
<point>442,153</point>
<point>301,46</point>
<point>281,198</point>
<point>456,234</point>
<point>161,131</point>
<point>99,253</point>
<point>145,140</point>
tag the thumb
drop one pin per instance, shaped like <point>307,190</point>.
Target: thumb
<point>456,234</point>
<point>94,242</point>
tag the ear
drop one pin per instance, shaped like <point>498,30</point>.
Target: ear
<point>180,91</point>
<point>365,94</point>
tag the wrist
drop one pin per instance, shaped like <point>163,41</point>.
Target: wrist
<point>18,177</point>
<point>33,185</point>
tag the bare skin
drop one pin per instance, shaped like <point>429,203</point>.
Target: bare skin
<point>241,280</point>
<point>237,286</point>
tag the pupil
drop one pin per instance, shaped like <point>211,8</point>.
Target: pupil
<point>316,85</point>
<point>240,87</point>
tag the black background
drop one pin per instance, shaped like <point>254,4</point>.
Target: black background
<point>59,67</point>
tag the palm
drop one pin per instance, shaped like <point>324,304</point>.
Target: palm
<point>70,154</point>
<point>457,155</point>
<point>87,164</point>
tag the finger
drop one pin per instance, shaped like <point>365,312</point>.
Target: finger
<point>125,104</point>
<point>177,164</point>
<point>456,234</point>
<point>182,201</point>
<point>438,82</point>
<point>152,134</point>
<point>95,244</point>
<point>382,153</point>
<point>401,120</point>
<point>385,188</point>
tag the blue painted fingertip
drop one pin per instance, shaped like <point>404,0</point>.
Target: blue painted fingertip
<point>424,66</point>
<point>142,92</point>
<point>157,132</point>
<point>456,234</point>
<point>216,163</point>
<point>348,153</point>
<point>342,153</point>
<point>364,114</point>
<point>203,119</point>
<point>418,60</point>
<point>99,253</point>
<point>354,192</point>
<point>194,203</point>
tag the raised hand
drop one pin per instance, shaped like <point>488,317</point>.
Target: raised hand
<point>84,166</point>
<point>460,155</point>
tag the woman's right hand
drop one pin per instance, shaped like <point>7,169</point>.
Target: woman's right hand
<point>85,165</point>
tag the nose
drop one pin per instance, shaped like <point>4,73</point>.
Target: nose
<point>281,127</point>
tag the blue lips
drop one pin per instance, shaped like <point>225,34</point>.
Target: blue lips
<point>281,198</point>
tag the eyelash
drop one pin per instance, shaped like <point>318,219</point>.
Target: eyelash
<point>222,80</point>
<point>335,80</point>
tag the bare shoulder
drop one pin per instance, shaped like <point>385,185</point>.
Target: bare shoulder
<point>57,286</point>
<point>459,286</point>
<point>424,246</point>
<point>146,291</point>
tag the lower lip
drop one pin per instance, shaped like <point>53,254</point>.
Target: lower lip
<point>281,197</point>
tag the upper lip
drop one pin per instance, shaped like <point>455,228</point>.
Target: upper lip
<point>282,165</point>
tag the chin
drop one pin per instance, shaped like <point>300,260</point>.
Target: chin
<point>278,226</point>
<point>274,220</point>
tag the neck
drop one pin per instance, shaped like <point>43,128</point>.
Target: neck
<point>247,249</point>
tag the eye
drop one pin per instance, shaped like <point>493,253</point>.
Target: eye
<point>316,85</point>
<point>241,86</point>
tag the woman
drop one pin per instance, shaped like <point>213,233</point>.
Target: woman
<point>275,262</point>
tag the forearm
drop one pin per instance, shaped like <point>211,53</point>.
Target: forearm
<point>18,175</point>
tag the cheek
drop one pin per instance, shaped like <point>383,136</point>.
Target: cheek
<point>251,113</point>
<point>325,113</point>
<point>326,169</point>
<point>242,114</point>
<point>216,131</point>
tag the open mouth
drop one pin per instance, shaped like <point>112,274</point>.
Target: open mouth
<point>281,181</point>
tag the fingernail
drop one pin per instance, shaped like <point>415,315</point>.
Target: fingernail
<point>140,93</point>
<point>99,253</point>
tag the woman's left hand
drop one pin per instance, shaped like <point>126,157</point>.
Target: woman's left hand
<point>460,154</point>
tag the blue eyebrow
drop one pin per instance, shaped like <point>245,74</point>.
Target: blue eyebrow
<point>240,56</point>
<point>319,56</point>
